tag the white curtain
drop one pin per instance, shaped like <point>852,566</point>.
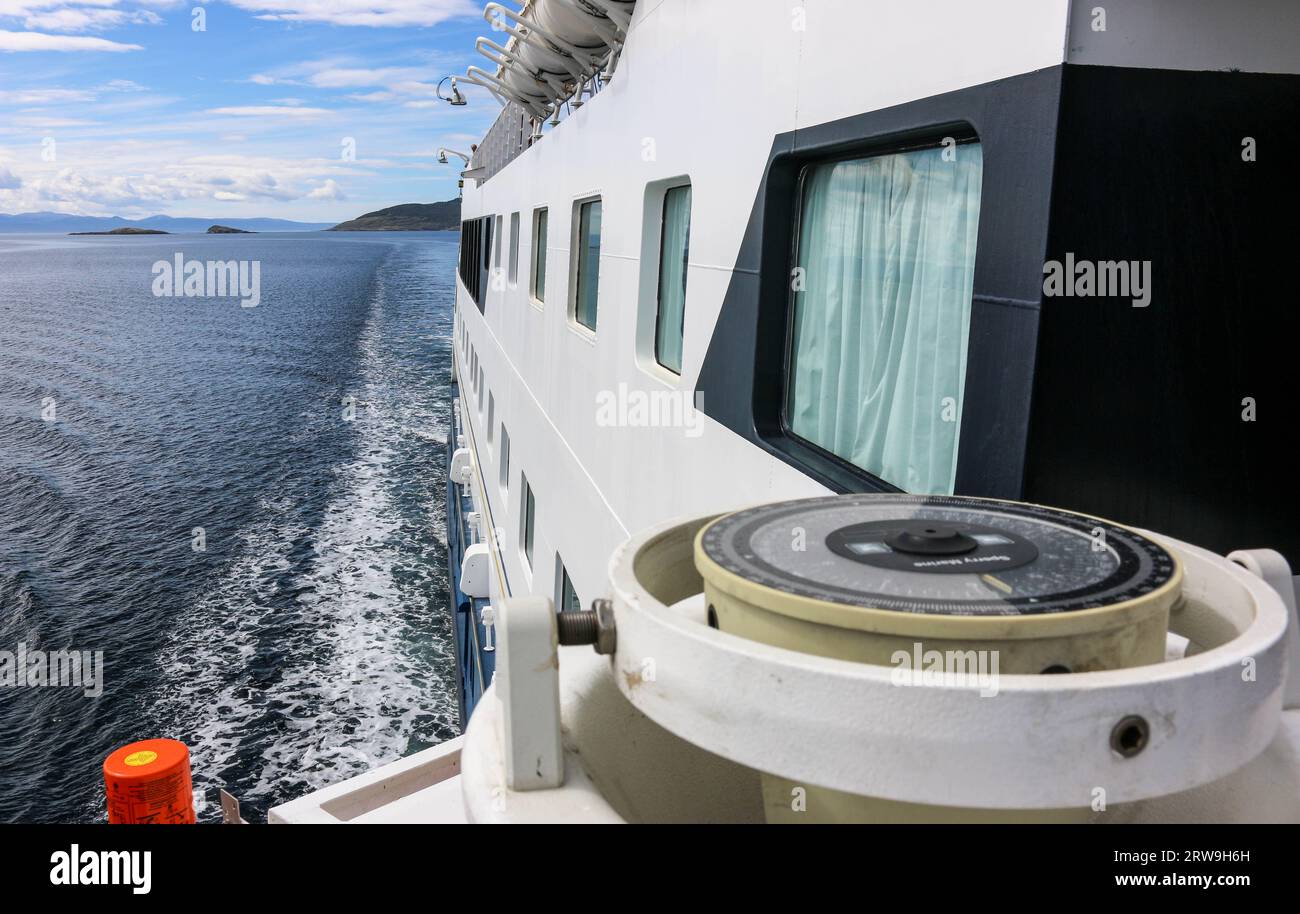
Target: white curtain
<point>672,277</point>
<point>887,250</point>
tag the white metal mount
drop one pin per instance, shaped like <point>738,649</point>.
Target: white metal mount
<point>1272,568</point>
<point>475,569</point>
<point>462,464</point>
<point>1042,742</point>
<point>528,681</point>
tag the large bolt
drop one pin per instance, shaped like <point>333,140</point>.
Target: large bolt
<point>594,626</point>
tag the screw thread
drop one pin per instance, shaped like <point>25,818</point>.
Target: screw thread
<point>577,627</point>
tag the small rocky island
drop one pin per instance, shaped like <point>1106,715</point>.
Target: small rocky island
<point>125,230</point>
<point>408,217</point>
<point>227,230</point>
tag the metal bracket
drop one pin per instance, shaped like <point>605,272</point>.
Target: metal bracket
<point>528,684</point>
<point>1272,568</point>
<point>230,810</point>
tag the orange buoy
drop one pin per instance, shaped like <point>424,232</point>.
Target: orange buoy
<point>148,783</point>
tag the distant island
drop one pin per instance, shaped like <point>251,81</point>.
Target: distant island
<point>128,230</point>
<point>408,217</point>
<point>66,223</point>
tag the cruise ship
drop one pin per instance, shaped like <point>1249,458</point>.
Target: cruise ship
<point>805,347</point>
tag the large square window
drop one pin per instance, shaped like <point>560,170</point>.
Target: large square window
<point>881,317</point>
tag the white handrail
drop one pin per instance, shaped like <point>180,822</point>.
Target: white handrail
<point>620,17</point>
<point>535,105</point>
<point>502,55</point>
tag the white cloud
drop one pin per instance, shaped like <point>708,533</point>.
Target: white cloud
<point>100,188</point>
<point>362,12</point>
<point>38,41</point>
<point>69,19</point>
<point>270,111</point>
<point>47,123</point>
<point>25,7</point>
<point>122,85</point>
<point>33,97</point>
<point>405,85</point>
<point>327,191</point>
<point>44,96</point>
<point>355,77</point>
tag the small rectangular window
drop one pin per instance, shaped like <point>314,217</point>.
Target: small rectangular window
<point>529,520</point>
<point>505,459</point>
<point>538,284</point>
<point>512,274</point>
<point>492,413</point>
<point>674,251</point>
<point>587,275</point>
<point>482,391</point>
<point>486,242</point>
<point>569,601</point>
<point>881,320</point>
<point>497,256</point>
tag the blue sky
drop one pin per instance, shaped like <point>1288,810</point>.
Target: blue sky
<point>120,107</point>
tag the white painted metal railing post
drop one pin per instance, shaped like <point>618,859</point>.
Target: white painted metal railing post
<point>528,685</point>
<point>1270,566</point>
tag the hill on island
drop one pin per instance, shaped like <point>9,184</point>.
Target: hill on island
<point>408,217</point>
<point>66,222</point>
<point>129,230</point>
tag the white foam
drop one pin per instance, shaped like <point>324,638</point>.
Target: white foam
<point>361,681</point>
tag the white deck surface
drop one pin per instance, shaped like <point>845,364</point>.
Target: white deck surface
<point>421,788</point>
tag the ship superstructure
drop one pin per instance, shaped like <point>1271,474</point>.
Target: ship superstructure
<point>717,254</point>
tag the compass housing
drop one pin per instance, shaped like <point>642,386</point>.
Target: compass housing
<point>865,577</point>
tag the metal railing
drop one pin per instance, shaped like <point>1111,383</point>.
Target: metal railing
<point>510,134</point>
